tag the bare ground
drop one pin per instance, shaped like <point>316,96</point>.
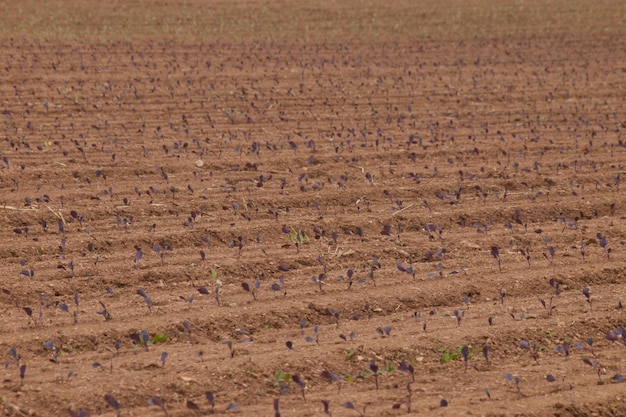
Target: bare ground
<point>390,167</point>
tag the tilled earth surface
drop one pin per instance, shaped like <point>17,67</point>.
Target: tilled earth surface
<point>306,221</point>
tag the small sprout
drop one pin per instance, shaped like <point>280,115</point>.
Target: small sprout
<point>326,405</point>
<point>319,280</point>
<point>211,399</point>
<point>232,407</point>
<point>104,312</point>
<point>141,292</point>
<point>333,378</point>
<point>113,403</point>
<point>612,336</point>
<point>316,332</point>
<point>138,256</point>
<point>465,353</point>
<point>348,405</point>
<point>594,364</point>
<point>374,368</point>
<point>547,306</point>
<point>246,288</point>
<point>407,367</point>
<point>159,403</point>
<point>552,253</point>
<point>298,380</point>
<point>565,349</point>
<point>409,397</point>
<point>13,354</point>
<point>384,331</point>
<point>55,351</point>
<point>29,312</point>
<point>604,244</point>
<point>187,299</point>
<point>466,301</point>
<point>229,344</point>
<point>587,295</point>
<point>589,346</point>
<point>531,349</point>
<point>495,252</point>
<point>502,294</point>
<point>521,316</point>
<point>217,295</point>
<point>145,338</point>
<point>351,406</point>
<point>486,353</point>
<point>30,273</point>
<point>408,269</point>
<point>508,377</point>
<point>22,373</point>
<point>247,336</point>
<point>141,338</point>
<point>192,406</point>
<point>526,253</point>
<point>459,314</point>
<point>187,327</point>
<point>276,407</point>
<point>582,249</point>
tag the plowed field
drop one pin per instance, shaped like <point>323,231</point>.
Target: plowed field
<point>285,205</point>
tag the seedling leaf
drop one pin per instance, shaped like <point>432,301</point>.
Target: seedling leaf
<point>112,402</point>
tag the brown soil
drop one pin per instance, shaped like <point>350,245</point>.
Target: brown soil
<point>274,161</point>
